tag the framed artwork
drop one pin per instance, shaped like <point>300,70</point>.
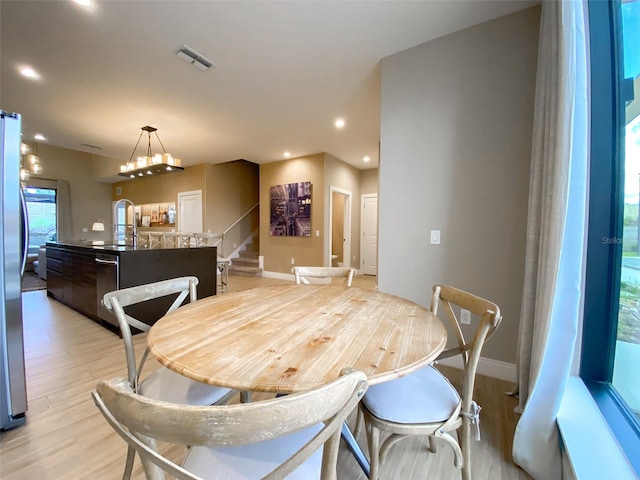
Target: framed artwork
<point>290,210</point>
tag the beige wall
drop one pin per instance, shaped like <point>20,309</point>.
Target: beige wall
<point>90,200</point>
<point>162,188</point>
<point>233,189</point>
<point>106,169</point>
<point>278,251</point>
<point>343,176</point>
<point>228,191</point>
<point>369,181</point>
<point>462,168</point>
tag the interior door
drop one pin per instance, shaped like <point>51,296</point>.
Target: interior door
<point>369,247</point>
<point>190,211</point>
<point>340,221</point>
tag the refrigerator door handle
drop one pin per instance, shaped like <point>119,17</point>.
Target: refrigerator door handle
<point>24,214</point>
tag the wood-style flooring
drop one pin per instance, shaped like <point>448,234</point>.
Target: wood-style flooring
<point>65,436</point>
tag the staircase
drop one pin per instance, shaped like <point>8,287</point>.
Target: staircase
<point>246,265</point>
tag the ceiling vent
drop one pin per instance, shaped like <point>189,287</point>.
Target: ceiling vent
<point>194,58</point>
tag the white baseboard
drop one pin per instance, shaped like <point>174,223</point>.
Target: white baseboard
<point>486,366</point>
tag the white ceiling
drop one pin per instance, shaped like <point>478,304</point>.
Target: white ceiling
<point>285,71</point>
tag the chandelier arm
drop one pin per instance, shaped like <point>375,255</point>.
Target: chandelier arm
<point>134,148</point>
<point>163,149</point>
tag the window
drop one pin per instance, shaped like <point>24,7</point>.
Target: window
<point>611,336</point>
<point>41,210</point>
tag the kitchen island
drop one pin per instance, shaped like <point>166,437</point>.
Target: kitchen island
<point>80,273</point>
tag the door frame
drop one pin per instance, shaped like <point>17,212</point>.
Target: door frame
<point>362,221</point>
<point>346,247</point>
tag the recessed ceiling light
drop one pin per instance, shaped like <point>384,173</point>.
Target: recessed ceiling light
<point>84,3</point>
<point>39,137</point>
<point>366,159</point>
<point>287,154</point>
<point>29,72</point>
<point>339,123</point>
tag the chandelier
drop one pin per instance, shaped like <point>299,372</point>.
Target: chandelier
<point>32,166</point>
<point>150,164</point>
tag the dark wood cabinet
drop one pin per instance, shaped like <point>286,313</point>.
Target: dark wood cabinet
<point>78,276</point>
<point>55,274</point>
<point>71,278</point>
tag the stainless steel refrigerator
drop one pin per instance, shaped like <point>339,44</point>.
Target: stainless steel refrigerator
<point>13,241</point>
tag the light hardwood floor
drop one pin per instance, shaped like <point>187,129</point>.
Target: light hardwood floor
<point>66,437</point>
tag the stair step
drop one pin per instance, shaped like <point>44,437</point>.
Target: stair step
<point>248,254</point>
<point>251,247</point>
<point>245,261</point>
<point>242,271</point>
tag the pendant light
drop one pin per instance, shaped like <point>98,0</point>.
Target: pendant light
<point>150,164</point>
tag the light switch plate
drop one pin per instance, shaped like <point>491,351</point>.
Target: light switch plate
<point>435,237</point>
<point>465,317</point>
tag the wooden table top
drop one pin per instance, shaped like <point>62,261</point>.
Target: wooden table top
<point>290,338</point>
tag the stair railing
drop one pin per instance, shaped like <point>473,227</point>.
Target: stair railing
<point>239,221</point>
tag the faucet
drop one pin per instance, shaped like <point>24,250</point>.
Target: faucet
<point>118,204</point>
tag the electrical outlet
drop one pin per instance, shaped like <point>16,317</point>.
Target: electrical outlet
<point>293,261</point>
<point>465,317</point>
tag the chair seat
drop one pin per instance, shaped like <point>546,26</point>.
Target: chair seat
<point>424,396</point>
<point>169,386</point>
<point>255,460</point>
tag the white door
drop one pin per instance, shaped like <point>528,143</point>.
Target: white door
<point>369,247</point>
<point>190,211</point>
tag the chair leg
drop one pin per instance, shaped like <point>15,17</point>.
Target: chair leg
<point>359,420</point>
<point>465,446</point>
<point>373,442</point>
<point>128,466</point>
<point>432,444</point>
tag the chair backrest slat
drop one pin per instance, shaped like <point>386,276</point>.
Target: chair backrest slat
<point>304,273</point>
<point>490,319</point>
<point>117,300</point>
<point>139,420</point>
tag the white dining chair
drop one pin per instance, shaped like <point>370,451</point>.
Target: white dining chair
<point>425,402</point>
<point>162,384</point>
<point>156,240</point>
<point>216,240</point>
<point>295,436</point>
<point>307,275</point>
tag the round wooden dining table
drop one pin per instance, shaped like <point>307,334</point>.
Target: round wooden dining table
<point>291,338</point>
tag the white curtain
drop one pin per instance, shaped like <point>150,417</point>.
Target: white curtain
<point>551,305</point>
